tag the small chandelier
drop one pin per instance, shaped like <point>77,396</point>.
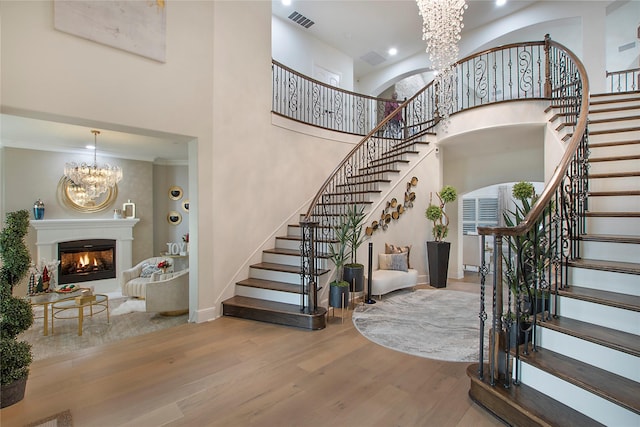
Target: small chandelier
<point>93,179</point>
<point>441,27</point>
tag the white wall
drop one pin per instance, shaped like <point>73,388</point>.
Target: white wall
<point>165,177</point>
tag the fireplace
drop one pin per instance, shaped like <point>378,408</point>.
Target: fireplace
<point>86,260</point>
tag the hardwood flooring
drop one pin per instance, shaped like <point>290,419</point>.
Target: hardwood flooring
<point>235,372</point>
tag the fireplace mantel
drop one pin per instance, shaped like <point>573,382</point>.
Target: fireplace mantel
<point>50,232</point>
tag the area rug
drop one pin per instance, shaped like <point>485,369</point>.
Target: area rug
<point>127,319</point>
<point>61,419</point>
<point>435,324</point>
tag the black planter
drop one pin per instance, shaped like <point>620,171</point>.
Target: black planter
<point>13,393</point>
<point>519,337</point>
<point>354,275</point>
<point>438,257</point>
<point>338,296</point>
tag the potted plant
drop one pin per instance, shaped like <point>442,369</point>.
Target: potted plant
<point>438,250</point>
<point>339,288</point>
<point>529,255</point>
<point>353,272</point>
<point>16,315</point>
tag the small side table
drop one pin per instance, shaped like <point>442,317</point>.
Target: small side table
<point>101,302</point>
<point>47,299</point>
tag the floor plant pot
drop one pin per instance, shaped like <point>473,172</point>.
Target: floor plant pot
<point>339,296</point>
<point>13,393</point>
<point>354,275</point>
<point>438,258</point>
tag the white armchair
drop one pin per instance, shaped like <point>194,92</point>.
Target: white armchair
<point>134,280</point>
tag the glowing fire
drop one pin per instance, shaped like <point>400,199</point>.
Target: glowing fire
<point>84,260</point>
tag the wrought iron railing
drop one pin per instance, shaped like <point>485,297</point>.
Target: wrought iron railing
<point>530,259</point>
<point>623,81</point>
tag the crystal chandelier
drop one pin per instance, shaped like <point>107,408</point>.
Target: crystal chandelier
<point>441,27</point>
<point>93,179</point>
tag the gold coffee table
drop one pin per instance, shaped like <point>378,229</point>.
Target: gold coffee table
<point>45,300</point>
<point>101,302</point>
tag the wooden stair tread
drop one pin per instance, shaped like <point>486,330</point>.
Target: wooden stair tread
<point>613,109</point>
<point>615,193</point>
<point>614,175</point>
<point>612,238</point>
<point>292,252</point>
<point>614,266</point>
<point>608,131</point>
<point>612,214</point>
<point>595,96</point>
<point>612,299</point>
<point>270,284</point>
<point>613,143</point>
<point>274,312</point>
<point>614,388</point>
<point>614,158</point>
<point>283,268</point>
<point>607,337</point>
<point>614,119</point>
<point>522,405</point>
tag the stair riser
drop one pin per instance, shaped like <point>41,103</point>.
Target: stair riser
<point>268,294</point>
<point>278,276</point>
<point>287,244</point>
<point>621,226</point>
<point>614,166</point>
<point>621,97</point>
<point>607,251</point>
<point>612,125</point>
<point>615,136</point>
<point>595,115</point>
<point>291,260</point>
<point>603,315</point>
<point>348,198</point>
<point>615,150</point>
<point>614,184</point>
<point>575,397</point>
<point>613,282</point>
<point>294,231</point>
<point>614,203</point>
<point>617,362</point>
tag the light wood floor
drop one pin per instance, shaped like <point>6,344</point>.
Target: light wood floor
<point>234,372</point>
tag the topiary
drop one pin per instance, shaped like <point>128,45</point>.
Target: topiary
<point>436,213</point>
<point>16,315</point>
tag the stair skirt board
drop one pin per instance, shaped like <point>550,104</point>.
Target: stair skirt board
<point>617,362</point>
<point>597,279</point>
<point>599,314</point>
<point>269,295</point>
<point>610,251</point>
<point>589,404</point>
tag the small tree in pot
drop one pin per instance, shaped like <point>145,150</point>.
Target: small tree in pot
<point>339,289</point>
<point>438,250</point>
<point>353,272</point>
<point>16,315</point>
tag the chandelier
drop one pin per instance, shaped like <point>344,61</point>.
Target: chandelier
<point>441,27</point>
<point>94,180</point>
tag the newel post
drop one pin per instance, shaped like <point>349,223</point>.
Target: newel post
<point>547,66</point>
<point>308,274</point>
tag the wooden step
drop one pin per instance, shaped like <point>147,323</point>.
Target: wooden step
<point>607,131</point>
<point>614,388</point>
<point>610,238</point>
<point>521,405</point>
<point>597,296</point>
<point>613,266</point>
<point>607,337</point>
<point>614,193</point>
<point>613,143</point>
<point>596,99</point>
<point>274,312</point>
<point>613,119</point>
<point>614,175</point>
<point>292,252</point>
<point>613,109</point>
<point>615,158</point>
<point>271,285</point>
<point>612,214</point>
<point>283,268</point>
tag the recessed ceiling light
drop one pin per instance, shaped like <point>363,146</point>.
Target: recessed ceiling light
<point>501,2</point>
<point>89,147</point>
<point>286,2</point>
<point>393,51</point>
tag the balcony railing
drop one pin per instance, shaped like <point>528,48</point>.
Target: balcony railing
<point>623,81</point>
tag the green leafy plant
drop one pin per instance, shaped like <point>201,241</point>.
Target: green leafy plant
<point>355,221</point>
<point>436,213</point>
<point>16,315</point>
<point>349,237</point>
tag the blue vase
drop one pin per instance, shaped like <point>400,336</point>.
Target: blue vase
<point>38,209</point>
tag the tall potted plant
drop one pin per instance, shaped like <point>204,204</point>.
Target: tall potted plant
<point>15,313</point>
<point>438,250</point>
<point>339,289</point>
<point>353,272</point>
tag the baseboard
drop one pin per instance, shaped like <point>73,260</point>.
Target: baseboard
<point>204,315</point>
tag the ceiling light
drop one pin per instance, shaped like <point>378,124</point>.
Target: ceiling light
<point>286,2</point>
<point>393,51</point>
<point>501,2</point>
<point>441,28</point>
<point>93,179</point>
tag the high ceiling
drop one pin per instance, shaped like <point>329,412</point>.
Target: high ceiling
<point>356,27</point>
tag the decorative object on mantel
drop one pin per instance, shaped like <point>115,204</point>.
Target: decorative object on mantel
<point>93,179</point>
<point>73,196</point>
<point>174,217</point>
<point>129,209</point>
<point>117,214</point>
<point>175,192</point>
<point>393,210</point>
<point>38,210</point>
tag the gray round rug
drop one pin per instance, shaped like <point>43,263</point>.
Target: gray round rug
<point>436,324</point>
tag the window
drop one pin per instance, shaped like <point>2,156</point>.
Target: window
<point>479,212</point>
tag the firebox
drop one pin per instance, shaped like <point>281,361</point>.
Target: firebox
<point>86,260</point>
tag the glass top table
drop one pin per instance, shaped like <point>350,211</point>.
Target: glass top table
<point>46,299</point>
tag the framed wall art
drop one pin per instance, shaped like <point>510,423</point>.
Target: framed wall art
<point>174,218</point>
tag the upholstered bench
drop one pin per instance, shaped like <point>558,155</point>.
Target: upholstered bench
<point>385,281</point>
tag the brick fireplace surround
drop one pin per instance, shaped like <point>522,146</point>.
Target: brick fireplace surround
<point>50,232</point>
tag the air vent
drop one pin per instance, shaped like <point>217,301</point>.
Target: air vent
<point>301,19</point>
<point>373,58</point>
<point>626,46</point>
